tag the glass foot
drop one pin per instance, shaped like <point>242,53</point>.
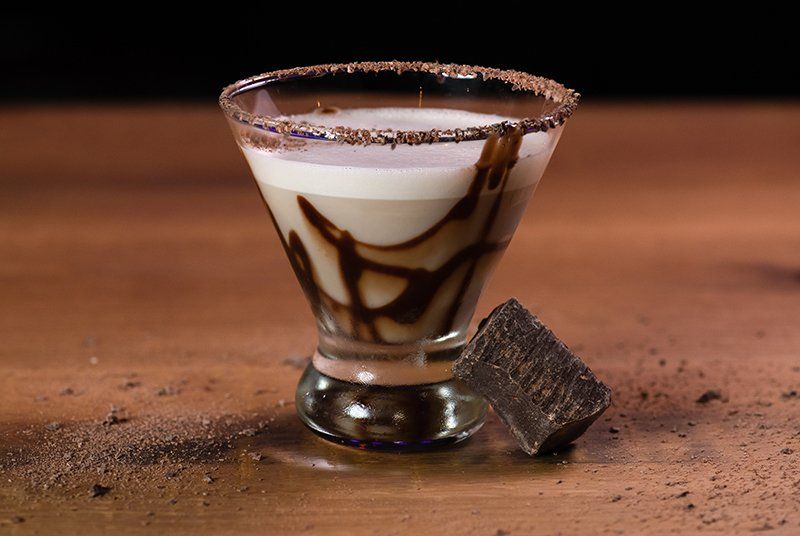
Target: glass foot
<point>406,417</point>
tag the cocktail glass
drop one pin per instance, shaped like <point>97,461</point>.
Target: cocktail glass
<point>394,188</point>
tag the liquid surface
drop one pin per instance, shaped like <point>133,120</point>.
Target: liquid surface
<point>398,118</point>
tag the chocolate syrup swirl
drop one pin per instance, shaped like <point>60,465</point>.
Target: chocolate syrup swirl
<point>498,156</point>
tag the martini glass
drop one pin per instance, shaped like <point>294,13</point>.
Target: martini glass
<point>394,187</point>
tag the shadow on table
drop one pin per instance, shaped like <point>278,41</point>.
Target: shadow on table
<point>491,451</point>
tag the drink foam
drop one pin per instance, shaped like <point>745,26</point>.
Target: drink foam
<point>434,171</point>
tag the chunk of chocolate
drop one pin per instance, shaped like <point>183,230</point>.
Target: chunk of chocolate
<point>98,490</point>
<point>542,391</point>
<point>708,396</point>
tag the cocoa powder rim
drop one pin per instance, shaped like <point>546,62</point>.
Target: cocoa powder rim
<point>566,100</point>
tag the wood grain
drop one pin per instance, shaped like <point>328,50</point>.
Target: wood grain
<point>663,245</point>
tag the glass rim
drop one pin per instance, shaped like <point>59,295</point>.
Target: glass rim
<point>565,99</point>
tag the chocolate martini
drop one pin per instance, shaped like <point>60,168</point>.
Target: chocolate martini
<point>394,187</point>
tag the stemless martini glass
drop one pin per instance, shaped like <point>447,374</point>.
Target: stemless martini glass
<point>394,188</point>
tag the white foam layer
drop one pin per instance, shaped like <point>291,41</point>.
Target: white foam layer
<point>435,171</point>
<point>399,118</point>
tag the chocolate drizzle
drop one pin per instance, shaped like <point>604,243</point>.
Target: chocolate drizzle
<point>499,154</point>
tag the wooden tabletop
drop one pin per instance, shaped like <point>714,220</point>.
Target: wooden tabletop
<point>138,269</point>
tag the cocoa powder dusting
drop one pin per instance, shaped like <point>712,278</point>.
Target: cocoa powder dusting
<point>565,102</point>
<point>122,449</point>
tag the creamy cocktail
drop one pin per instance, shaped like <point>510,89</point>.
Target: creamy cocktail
<point>394,187</point>
<point>393,245</point>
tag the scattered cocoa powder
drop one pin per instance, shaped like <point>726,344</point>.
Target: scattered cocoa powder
<point>123,448</point>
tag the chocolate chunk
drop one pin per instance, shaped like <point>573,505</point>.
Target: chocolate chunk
<point>98,490</point>
<point>542,391</point>
<point>708,396</point>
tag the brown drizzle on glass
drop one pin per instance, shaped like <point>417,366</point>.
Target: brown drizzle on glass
<point>498,156</point>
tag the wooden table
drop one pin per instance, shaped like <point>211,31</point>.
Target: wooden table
<point>138,268</point>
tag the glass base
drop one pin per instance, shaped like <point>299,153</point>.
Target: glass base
<point>398,417</point>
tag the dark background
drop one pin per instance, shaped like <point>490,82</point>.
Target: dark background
<point>655,51</point>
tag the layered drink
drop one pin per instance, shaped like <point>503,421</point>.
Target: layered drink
<point>393,246</point>
<point>394,187</point>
